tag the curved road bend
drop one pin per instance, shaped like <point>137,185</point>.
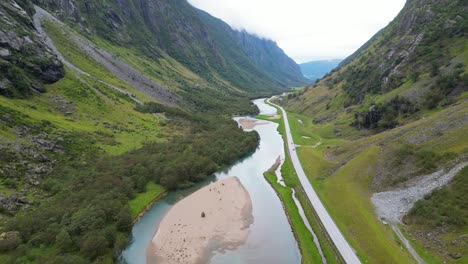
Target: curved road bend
<point>336,236</point>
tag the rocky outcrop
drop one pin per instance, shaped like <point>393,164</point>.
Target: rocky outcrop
<point>25,61</point>
<point>410,46</point>
<point>26,161</point>
<point>13,203</point>
<point>267,55</point>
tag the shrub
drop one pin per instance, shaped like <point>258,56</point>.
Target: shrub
<point>385,115</point>
<point>443,207</point>
<point>94,245</point>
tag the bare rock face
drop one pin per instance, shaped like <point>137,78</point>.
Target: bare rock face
<point>416,40</point>
<point>25,61</point>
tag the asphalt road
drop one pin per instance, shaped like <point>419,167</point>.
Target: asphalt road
<point>336,236</point>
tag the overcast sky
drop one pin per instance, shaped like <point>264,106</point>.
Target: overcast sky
<point>307,29</point>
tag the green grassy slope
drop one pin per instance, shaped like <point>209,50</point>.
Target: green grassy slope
<point>395,110</point>
<point>85,159</point>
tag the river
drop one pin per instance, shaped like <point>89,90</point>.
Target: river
<point>270,237</point>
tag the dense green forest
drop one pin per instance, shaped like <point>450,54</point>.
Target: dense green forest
<point>86,217</point>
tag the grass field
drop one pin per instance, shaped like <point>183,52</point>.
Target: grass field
<point>346,194</point>
<point>129,130</point>
<point>142,200</point>
<point>72,52</point>
<point>345,191</point>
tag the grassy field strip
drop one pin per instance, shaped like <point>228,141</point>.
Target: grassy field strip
<point>342,245</point>
<point>307,224</point>
<point>143,201</point>
<point>309,252</point>
<point>277,169</point>
<point>346,195</point>
<point>291,181</point>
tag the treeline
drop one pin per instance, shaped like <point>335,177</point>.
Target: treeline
<point>87,218</point>
<point>186,159</point>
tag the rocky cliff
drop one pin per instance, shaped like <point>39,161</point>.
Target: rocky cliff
<point>25,61</point>
<point>418,40</point>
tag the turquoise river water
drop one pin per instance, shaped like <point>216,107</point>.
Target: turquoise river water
<point>270,237</point>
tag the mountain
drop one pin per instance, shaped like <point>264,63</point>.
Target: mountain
<point>212,54</point>
<point>107,105</point>
<point>190,36</point>
<point>25,61</point>
<point>385,120</point>
<point>315,70</point>
<point>264,53</point>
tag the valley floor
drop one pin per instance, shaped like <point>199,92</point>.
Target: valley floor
<point>342,172</point>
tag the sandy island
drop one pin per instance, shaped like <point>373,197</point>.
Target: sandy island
<point>247,123</point>
<point>214,218</point>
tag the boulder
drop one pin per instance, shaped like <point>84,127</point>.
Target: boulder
<point>4,84</point>
<point>5,53</point>
<point>9,240</point>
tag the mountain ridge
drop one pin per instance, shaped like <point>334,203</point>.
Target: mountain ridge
<point>180,30</point>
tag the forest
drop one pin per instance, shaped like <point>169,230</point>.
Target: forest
<point>87,218</point>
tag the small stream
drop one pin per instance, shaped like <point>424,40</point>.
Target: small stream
<point>270,237</point>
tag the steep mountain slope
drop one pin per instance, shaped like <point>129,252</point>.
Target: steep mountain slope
<point>25,62</point>
<point>193,38</point>
<point>123,96</point>
<point>391,114</point>
<point>264,53</point>
<point>315,70</point>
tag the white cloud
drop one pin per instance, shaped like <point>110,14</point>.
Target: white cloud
<point>307,29</point>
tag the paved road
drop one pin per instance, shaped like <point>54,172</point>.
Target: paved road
<point>338,239</point>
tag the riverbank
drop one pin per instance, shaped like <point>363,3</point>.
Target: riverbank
<point>308,250</point>
<point>248,123</point>
<point>144,201</point>
<point>212,219</point>
<point>291,181</point>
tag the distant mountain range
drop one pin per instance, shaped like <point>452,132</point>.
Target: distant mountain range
<point>314,70</point>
